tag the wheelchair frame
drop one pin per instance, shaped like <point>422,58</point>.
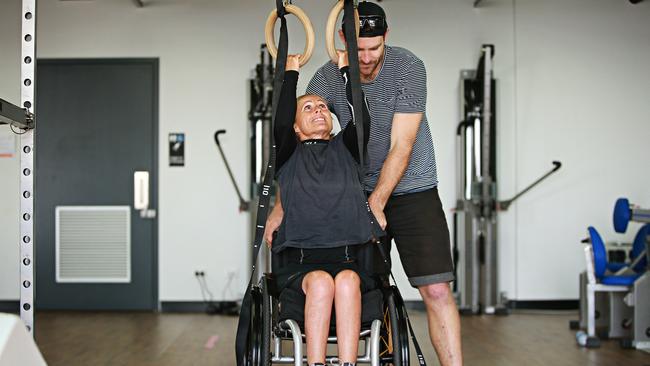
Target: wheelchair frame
<point>386,342</point>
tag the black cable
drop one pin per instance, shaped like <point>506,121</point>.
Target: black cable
<point>210,306</point>
<point>207,289</point>
<point>202,291</point>
<point>226,287</point>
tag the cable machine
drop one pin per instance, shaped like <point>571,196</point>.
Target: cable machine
<point>477,206</point>
<point>260,97</point>
<point>260,119</point>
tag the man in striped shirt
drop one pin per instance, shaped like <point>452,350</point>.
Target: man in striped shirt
<point>401,174</point>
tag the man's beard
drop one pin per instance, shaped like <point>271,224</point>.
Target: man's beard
<point>372,68</point>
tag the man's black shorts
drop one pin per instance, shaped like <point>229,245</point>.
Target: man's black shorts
<point>417,223</point>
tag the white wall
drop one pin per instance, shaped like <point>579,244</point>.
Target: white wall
<point>571,77</point>
<point>582,77</point>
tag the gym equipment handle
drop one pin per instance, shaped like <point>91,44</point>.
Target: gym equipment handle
<point>243,204</point>
<point>306,23</point>
<point>503,205</point>
<point>216,135</point>
<point>557,164</point>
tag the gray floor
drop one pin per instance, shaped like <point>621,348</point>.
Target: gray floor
<point>523,338</point>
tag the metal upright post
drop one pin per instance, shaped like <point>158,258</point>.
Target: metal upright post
<point>28,62</point>
<point>488,194</point>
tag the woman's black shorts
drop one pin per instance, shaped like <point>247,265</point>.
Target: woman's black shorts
<point>331,260</point>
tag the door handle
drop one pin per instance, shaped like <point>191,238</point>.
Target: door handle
<point>141,194</point>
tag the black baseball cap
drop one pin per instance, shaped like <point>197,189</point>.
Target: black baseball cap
<point>372,19</point>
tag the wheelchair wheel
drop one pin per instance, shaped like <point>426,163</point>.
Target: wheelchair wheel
<point>267,318</point>
<point>258,339</point>
<point>394,348</point>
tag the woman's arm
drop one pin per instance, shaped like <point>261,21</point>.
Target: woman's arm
<point>285,115</point>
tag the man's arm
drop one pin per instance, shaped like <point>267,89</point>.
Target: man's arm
<point>402,138</point>
<point>410,105</point>
<point>319,85</point>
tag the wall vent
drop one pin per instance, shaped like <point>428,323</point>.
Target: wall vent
<point>93,244</point>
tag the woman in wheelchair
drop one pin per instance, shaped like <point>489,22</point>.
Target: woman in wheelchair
<point>326,217</point>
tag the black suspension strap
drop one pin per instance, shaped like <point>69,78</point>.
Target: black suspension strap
<point>355,76</point>
<point>265,191</point>
<point>418,350</point>
<point>355,83</point>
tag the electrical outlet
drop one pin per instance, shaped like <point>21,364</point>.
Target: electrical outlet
<point>199,273</point>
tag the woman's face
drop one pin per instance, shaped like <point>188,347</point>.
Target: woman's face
<point>313,118</point>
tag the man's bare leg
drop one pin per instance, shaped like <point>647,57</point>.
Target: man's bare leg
<point>318,287</point>
<point>444,323</point>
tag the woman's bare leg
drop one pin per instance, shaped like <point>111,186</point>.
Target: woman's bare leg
<point>347,300</point>
<point>318,287</point>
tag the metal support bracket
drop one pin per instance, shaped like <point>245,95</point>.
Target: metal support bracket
<point>13,115</point>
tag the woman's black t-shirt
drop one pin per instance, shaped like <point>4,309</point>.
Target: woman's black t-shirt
<point>323,201</point>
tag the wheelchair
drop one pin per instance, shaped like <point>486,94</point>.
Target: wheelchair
<point>277,317</point>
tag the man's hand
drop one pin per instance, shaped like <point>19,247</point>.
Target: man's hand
<point>293,62</point>
<point>273,223</point>
<point>343,59</point>
<point>377,208</point>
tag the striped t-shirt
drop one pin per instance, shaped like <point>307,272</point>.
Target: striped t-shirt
<point>400,87</point>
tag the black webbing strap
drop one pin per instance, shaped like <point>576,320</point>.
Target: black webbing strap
<point>355,83</point>
<point>418,350</point>
<point>357,109</point>
<point>265,192</point>
<point>355,76</point>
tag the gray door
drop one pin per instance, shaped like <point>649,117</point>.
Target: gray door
<point>96,126</point>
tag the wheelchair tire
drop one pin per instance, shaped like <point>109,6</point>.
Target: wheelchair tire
<point>257,353</point>
<point>265,355</point>
<point>398,327</point>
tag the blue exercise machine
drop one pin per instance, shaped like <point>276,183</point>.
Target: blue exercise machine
<point>614,298</point>
<point>624,212</point>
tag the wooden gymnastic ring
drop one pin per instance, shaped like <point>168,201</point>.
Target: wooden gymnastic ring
<point>306,23</point>
<point>330,29</point>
